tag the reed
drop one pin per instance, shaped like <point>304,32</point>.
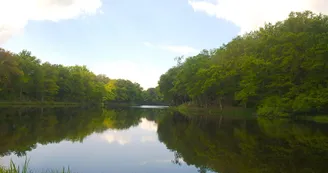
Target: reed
<point>14,168</point>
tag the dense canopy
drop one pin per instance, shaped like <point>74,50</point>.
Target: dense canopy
<point>279,69</point>
<point>24,78</point>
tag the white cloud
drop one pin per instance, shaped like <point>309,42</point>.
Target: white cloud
<point>141,72</point>
<point>156,161</point>
<point>148,125</point>
<point>251,14</point>
<point>15,14</point>
<point>148,139</point>
<point>148,44</point>
<point>183,50</point>
<point>114,136</point>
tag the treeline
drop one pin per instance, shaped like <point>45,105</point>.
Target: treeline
<point>281,68</point>
<point>23,77</point>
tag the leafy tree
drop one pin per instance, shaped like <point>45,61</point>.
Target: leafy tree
<point>23,77</point>
<point>280,69</point>
<point>9,72</point>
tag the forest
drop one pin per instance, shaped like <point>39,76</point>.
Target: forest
<point>279,69</point>
<point>24,78</point>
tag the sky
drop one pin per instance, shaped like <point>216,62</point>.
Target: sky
<point>134,39</point>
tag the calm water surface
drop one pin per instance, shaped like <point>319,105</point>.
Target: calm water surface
<point>148,139</point>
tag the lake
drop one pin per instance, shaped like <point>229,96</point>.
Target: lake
<point>150,139</point>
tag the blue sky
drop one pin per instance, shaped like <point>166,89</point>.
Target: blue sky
<point>135,40</point>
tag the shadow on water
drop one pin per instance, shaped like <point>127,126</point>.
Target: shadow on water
<point>230,145</point>
<point>222,144</point>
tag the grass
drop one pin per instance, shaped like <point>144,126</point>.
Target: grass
<point>321,119</point>
<point>13,168</point>
<point>318,119</point>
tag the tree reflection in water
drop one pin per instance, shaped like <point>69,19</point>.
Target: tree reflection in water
<point>225,144</point>
<point>246,145</point>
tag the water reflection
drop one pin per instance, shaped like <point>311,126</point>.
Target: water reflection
<point>148,125</point>
<point>151,107</point>
<point>116,136</point>
<point>116,140</point>
<point>253,145</point>
<point>158,140</point>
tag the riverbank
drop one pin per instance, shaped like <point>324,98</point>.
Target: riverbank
<point>72,104</point>
<point>193,110</point>
<point>129,104</point>
<point>47,103</point>
<point>318,118</point>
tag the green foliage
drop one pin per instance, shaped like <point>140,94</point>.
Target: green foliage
<point>24,78</point>
<point>152,96</point>
<point>280,69</point>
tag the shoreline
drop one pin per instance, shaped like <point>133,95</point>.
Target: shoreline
<point>47,103</point>
<point>193,110</point>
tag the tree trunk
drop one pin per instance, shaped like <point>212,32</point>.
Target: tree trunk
<point>220,121</point>
<point>42,111</point>
<point>21,93</point>
<point>220,103</point>
<point>200,102</point>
